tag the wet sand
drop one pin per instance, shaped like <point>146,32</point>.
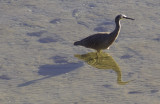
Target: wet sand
<point>37,56</point>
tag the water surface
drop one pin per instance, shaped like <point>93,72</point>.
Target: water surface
<point>40,65</point>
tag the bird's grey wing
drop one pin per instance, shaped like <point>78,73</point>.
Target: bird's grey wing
<point>93,41</point>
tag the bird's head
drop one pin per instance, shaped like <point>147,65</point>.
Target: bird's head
<point>122,16</point>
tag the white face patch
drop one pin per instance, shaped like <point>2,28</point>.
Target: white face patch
<point>124,15</point>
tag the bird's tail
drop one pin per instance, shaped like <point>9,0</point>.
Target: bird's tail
<point>77,43</point>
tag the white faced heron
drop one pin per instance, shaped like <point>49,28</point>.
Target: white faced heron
<point>103,40</point>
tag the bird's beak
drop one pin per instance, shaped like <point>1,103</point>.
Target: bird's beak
<point>128,18</point>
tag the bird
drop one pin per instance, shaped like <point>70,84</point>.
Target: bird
<point>103,40</point>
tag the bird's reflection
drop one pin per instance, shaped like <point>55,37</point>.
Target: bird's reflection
<point>104,61</point>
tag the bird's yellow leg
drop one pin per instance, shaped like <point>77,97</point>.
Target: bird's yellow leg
<point>99,52</point>
<point>98,55</point>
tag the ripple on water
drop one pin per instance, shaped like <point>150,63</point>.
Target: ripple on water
<point>126,56</point>
<point>37,34</point>
<point>135,92</point>
<point>5,77</point>
<point>55,21</point>
<point>154,91</point>
<point>47,40</point>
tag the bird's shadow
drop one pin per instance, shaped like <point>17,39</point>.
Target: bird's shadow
<point>62,66</point>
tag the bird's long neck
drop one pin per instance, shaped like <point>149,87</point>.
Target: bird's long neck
<point>116,31</point>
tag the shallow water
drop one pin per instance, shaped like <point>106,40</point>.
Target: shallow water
<point>39,63</point>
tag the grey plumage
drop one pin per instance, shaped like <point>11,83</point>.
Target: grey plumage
<point>102,40</point>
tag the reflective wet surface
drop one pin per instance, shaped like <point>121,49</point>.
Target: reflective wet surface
<point>40,65</point>
<point>102,61</point>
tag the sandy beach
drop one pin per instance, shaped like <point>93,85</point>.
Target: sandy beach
<point>40,65</point>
